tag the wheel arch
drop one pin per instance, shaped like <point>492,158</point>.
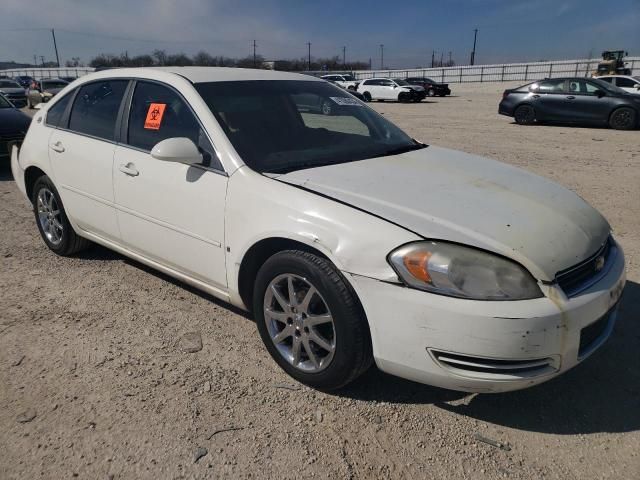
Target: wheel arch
<point>31,175</point>
<point>260,252</point>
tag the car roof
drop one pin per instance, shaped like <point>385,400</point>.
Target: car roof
<point>203,74</point>
<point>615,76</point>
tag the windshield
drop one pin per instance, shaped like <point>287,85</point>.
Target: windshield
<point>53,84</point>
<point>9,84</point>
<point>401,82</point>
<point>285,125</point>
<point>4,103</point>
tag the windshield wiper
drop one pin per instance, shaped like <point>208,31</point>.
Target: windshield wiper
<point>403,149</point>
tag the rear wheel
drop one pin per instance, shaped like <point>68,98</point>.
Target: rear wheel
<point>52,221</point>
<point>525,115</point>
<point>310,320</point>
<point>326,108</point>
<point>367,96</point>
<point>623,118</point>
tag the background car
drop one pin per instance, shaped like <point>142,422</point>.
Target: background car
<point>41,91</point>
<point>68,79</point>
<point>347,81</point>
<point>390,89</point>
<point>432,87</point>
<point>625,82</point>
<point>572,100</point>
<point>24,80</point>
<point>13,126</point>
<point>14,92</point>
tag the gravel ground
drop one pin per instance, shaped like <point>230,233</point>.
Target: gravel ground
<point>96,382</point>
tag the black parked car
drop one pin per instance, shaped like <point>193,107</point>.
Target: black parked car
<point>13,126</point>
<point>572,100</point>
<point>13,92</point>
<point>431,87</point>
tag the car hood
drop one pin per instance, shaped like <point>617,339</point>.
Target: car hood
<point>448,195</point>
<point>13,121</point>
<point>12,90</point>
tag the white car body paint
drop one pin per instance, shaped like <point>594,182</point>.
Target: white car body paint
<point>341,80</point>
<point>631,84</point>
<point>355,214</point>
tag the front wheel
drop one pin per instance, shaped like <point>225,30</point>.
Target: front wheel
<point>367,96</point>
<point>623,119</point>
<point>310,320</point>
<point>525,115</point>
<point>326,108</point>
<point>52,221</point>
<point>431,92</point>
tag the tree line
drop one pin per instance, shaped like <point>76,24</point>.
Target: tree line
<point>204,59</point>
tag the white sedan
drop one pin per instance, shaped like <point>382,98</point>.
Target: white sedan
<point>350,242</point>
<point>625,82</point>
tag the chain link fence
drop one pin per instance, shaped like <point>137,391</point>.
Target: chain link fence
<point>39,73</point>
<point>501,73</point>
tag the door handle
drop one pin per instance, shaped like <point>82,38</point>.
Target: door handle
<point>571,97</point>
<point>129,169</point>
<point>57,147</point>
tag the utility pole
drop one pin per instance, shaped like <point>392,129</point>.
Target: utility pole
<point>55,47</point>
<point>370,63</point>
<point>433,58</point>
<point>35,60</point>
<point>441,58</point>
<point>473,52</point>
<point>344,57</point>
<point>254,54</point>
<point>450,62</point>
<point>42,59</point>
<point>309,45</point>
<point>381,56</point>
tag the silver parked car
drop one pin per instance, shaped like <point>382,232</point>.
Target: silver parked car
<point>41,91</point>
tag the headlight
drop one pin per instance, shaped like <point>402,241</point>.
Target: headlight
<point>463,272</point>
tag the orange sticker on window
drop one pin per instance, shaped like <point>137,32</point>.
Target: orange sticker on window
<point>154,116</point>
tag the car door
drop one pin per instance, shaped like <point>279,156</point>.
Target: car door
<point>371,86</point>
<point>549,100</point>
<point>81,151</point>
<point>628,84</point>
<point>585,103</point>
<point>388,90</point>
<point>171,213</point>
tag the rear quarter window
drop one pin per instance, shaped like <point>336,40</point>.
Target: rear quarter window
<point>56,112</point>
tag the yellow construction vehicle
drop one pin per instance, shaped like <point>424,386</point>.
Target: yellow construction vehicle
<point>612,63</point>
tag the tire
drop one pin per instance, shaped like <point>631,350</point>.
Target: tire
<point>623,118</point>
<point>525,115</point>
<point>326,108</point>
<point>404,98</point>
<point>347,332</point>
<point>431,92</point>
<point>55,230</point>
<point>367,96</point>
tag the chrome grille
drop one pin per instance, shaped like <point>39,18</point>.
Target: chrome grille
<point>574,280</point>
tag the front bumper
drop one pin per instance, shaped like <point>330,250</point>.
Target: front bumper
<point>487,346</point>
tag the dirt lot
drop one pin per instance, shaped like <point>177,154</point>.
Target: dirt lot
<point>94,383</point>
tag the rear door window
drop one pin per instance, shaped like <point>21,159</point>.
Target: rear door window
<point>157,113</point>
<point>55,113</point>
<point>548,86</point>
<point>95,109</point>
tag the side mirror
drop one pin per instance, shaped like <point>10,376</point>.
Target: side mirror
<point>600,93</point>
<point>178,149</point>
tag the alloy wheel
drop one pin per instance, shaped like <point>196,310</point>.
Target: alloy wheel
<point>49,216</point>
<point>299,323</point>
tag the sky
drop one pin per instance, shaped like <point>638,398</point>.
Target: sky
<point>508,30</point>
